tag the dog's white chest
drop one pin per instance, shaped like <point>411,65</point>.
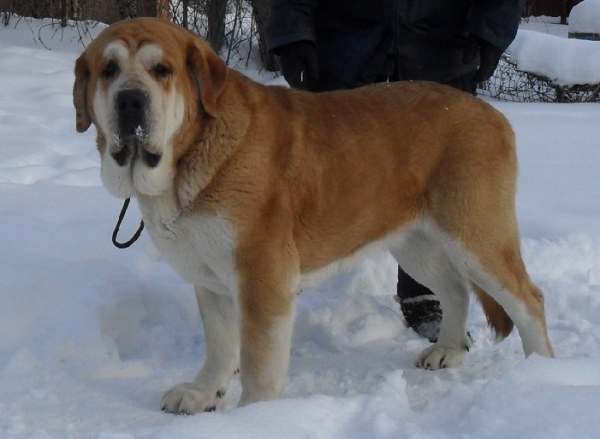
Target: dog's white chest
<point>199,247</point>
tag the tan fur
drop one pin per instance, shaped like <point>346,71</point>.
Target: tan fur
<point>305,180</point>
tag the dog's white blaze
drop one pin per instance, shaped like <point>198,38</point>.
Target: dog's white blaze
<point>166,116</point>
<point>117,52</point>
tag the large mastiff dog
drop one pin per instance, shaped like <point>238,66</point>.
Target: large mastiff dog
<point>251,191</point>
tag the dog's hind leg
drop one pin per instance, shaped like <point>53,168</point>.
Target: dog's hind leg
<point>472,207</point>
<point>220,318</point>
<point>427,262</point>
<point>486,247</point>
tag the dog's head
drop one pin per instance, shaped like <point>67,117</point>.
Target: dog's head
<point>149,87</point>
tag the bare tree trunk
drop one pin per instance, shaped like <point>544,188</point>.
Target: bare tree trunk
<point>63,13</point>
<point>216,23</point>
<point>184,18</point>
<point>262,11</point>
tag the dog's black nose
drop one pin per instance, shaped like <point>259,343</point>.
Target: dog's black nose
<point>131,107</point>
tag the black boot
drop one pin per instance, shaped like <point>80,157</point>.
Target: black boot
<point>420,307</point>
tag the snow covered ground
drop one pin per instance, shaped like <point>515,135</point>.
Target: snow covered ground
<point>90,336</point>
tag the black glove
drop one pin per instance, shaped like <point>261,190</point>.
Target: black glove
<point>489,56</point>
<point>299,64</point>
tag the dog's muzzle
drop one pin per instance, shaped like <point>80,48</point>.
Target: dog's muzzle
<point>132,108</point>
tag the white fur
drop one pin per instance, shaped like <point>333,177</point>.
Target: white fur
<point>115,178</point>
<point>530,331</point>
<point>116,50</point>
<point>220,317</point>
<point>199,247</point>
<point>425,257</point>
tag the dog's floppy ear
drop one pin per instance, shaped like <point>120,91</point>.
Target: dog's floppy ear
<point>82,77</point>
<point>208,71</point>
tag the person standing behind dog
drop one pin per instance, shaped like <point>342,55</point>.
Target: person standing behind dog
<point>342,44</point>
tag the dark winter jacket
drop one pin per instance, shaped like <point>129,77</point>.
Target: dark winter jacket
<point>355,38</point>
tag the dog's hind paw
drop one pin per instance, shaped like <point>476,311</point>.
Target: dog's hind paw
<point>185,399</point>
<point>440,357</point>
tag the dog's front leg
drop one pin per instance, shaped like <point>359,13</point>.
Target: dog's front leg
<point>267,318</point>
<point>220,318</point>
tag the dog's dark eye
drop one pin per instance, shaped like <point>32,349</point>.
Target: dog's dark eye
<point>110,70</point>
<point>161,71</point>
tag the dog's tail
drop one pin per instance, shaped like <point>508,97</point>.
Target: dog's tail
<point>498,320</point>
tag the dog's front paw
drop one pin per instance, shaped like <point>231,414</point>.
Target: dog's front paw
<point>185,399</point>
<point>440,357</point>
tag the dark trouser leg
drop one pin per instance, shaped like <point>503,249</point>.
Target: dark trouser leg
<point>408,287</point>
